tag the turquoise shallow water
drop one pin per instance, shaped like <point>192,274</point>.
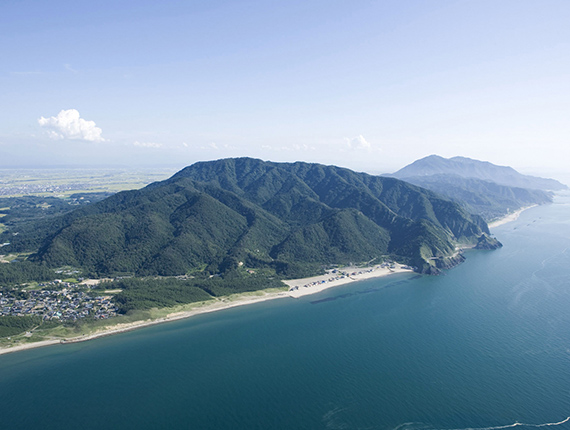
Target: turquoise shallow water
<point>485,346</point>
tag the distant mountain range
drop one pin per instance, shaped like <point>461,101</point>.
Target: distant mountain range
<point>468,168</point>
<point>288,217</point>
<point>482,187</point>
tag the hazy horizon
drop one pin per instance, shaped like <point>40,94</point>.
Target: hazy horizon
<point>371,86</point>
<point>560,175</point>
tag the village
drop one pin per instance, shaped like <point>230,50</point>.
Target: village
<point>65,302</point>
<point>30,189</point>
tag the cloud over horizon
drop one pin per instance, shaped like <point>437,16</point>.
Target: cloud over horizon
<point>68,124</point>
<point>358,142</point>
<point>147,144</point>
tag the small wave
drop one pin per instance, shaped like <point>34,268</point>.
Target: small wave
<point>516,424</point>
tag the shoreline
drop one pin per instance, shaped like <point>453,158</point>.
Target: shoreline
<point>315,284</point>
<point>510,217</point>
<point>201,308</point>
<point>321,283</point>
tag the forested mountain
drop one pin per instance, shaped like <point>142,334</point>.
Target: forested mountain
<point>291,217</point>
<point>468,168</point>
<point>485,198</point>
<point>480,187</point>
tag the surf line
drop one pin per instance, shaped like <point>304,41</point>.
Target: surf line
<point>516,424</point>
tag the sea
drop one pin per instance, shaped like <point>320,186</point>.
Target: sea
<point>484,346</point>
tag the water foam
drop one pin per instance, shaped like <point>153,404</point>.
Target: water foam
<point>516,424</point>
<point>418,426</point>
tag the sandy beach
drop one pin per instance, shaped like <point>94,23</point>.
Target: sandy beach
<point>509,217</point>
<point>297,288</point>
<point>345,275</point>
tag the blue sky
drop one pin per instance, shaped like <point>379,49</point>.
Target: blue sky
<point>370,85</point>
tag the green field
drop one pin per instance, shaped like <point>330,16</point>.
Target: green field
<point>64,182</point>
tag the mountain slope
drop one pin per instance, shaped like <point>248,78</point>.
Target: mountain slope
<point>485,198</point>
<point>292,217</point>
<point>468,168</point>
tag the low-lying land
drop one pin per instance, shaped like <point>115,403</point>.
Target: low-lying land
<point>63,182</point>
<point>49,334</point>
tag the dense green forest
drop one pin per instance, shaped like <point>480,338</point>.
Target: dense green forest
<point>142,294</point>
<point>28,220</point>
<point>25,271</point>
<point>293,218</point>
<point>225,227</point>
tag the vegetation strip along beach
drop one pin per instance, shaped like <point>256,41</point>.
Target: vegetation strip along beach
<point>306,286</point>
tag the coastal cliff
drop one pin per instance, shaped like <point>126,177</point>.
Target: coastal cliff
<point>487,242</point>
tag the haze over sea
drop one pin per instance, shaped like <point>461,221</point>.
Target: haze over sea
<point>486,346</point>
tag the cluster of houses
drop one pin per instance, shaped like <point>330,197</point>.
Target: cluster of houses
<point>67,304</point>
<point>11,190</point>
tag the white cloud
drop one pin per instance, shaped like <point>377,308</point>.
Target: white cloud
<point>216,147</point>
<point>147,144</point>
<point>358,142</point>
<point>69,125</point>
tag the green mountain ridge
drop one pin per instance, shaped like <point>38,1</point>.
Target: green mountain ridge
<point>291,217</point>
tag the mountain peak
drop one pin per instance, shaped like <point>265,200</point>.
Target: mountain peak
<point>470,168</point>
<point>287,217</point>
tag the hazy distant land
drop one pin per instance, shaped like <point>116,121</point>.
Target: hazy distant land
<point>62,182</point>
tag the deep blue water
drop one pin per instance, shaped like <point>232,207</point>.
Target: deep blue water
<point>485,346</point>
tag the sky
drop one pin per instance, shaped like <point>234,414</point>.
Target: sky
<point>368,85</point>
